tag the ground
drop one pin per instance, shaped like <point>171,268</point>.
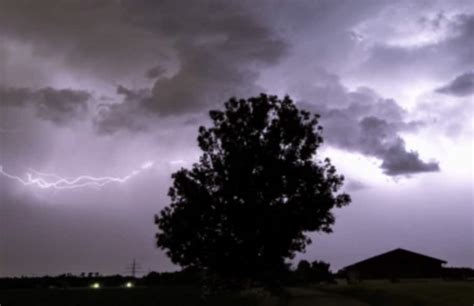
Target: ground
<point>409,293</point>
<point>406,293</point>
<point>163,296</point>
<point>313,296</point>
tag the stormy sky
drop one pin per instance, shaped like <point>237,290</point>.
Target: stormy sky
<point>100,102</point>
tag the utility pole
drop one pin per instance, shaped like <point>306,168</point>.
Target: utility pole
<point>134,268</point>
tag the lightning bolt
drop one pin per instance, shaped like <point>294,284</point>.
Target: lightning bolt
<point>53,181</point>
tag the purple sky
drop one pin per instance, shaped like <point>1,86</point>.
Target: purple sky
<point>100,102</point>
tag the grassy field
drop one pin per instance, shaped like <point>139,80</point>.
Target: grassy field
<point>369,293</point>
<point>171,296</point>
<point>408,293</point>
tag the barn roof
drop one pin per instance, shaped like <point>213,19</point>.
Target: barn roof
<point>395,252</point>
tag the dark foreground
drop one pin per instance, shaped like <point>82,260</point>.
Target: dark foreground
<point>409,293</point>
<point>413,293</point>
<point>120,296</point>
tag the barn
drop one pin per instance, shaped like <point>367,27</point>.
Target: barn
<point>395,264</point>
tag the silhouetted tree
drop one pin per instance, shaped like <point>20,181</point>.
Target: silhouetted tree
<point>320,272</point>
<point>317,271</point>
<point>257,190</point>
<point>303,271</point>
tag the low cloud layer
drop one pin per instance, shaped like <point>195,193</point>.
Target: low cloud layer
<point>59,106</point>
<point>461,86</point>
<point>435,45</point>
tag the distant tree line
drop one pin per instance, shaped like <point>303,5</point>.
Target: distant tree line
<point>305,273</point>
<point>315,272</point>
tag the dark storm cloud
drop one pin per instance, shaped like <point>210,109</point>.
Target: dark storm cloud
<point>398,161</point>
<point>462,42</point>
<point>128,115</point>
<point>368,124</point>
<point>219,49</point>
<point>376,137</point>
<point>86,35</point>
<point>379,138</point>
<point>461,86</point>
<point>155,72</point>
<point>197,55</point>
<point>59,106</point>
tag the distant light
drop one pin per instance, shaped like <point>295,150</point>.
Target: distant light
<point>129,285</point>
<point>95,286</point>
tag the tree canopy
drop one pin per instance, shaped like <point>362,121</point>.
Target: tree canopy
<point>254,195</point>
